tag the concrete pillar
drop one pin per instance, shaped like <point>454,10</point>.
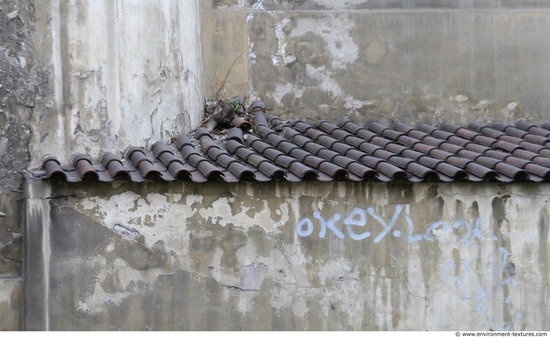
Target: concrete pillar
<point>121,73</point>
<point>37,229</point>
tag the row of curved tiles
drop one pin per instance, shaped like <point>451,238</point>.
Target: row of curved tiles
<point>276,150</point>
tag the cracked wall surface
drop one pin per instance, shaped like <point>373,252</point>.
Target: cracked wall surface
<point>87,76</point>
<point>282,256</point>
<point>434,61</point>
<point>93,76</point>
<point>22,87</point>
<point>122,73</point>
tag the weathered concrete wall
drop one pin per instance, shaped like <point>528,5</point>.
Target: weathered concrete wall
<point>310,256</point>
<point>452,61</point>
<point>91,76</point>
<point>22,87</point>
<point>225,42</point>
<point>121,73</point>
<point>87,76</point>
<point>10,304</point>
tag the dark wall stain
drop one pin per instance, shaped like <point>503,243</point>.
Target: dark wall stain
<point>75,241</point>
<point>138,256</point>
<point>203,244</point>
<point>499,210</point>
<point>230,243</point>
<point>543,228</point>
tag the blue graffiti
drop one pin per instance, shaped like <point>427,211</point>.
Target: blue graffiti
<point>354,226</point>
<point>450,273</point>
<point>357,217</point>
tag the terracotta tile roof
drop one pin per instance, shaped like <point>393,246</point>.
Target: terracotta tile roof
<point>272,149</point>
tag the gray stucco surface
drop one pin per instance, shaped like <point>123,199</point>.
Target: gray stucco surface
<point>434,61</point>
<point>422,64</point>
<point>121,72</point>
<point>309,256</point>
<point>22,87</point>
<point>91,76</point>
<point>73,76</point>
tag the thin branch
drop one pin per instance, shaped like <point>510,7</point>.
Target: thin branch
<point>216,95</point>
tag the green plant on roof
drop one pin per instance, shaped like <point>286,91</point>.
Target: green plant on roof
<point>237,105</point>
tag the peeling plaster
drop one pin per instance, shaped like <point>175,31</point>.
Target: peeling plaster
<point>258,5</point>
<point>331,4</point>
<point>128,280</point>
<point>323,79</point>
<point>10,306</point>
<point>280,56</point>
<point>240,247</point>
<point>148,215</point>
<point>336,32</point>
<point>97,92</point>
<point>352,103</point>
<point>384,48</point>
<point>336,270</point>
<point>284,89</point>
<point>221,213</point>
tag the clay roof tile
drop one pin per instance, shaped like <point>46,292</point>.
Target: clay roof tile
<point>300,150</point>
